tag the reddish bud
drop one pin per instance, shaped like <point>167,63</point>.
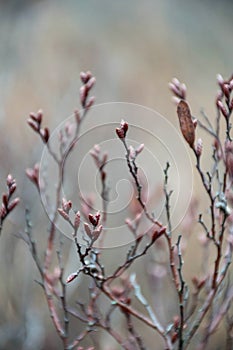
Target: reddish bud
<point>66,205</point>
<point>91,82</point>
<point>90,102</point>
<point>33,125</point>
<point>186,123</point>
<point>92,220</point>
<point>87,230</point>
<point>45,134</point>
<point>71,277</point>
<point>77,220</point>
<point>3,212</point>
<point>13,204</point>
<point>63,214</point>
<point>5,200</point>
<point>121,132</point>
<point>222,108</point>
<point>9,180</point>
<point>85,76</point>
<point>83,91</point>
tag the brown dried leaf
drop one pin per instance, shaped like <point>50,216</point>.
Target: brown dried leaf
<point>186,123</point>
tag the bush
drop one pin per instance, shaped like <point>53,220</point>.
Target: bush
<point>202,304</point>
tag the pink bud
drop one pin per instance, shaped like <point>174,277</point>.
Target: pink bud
<point>91,82</point>
<point>5,200</point>
<point>71,277</point>
<point>132,153</point>
<point>220,80</point>
<point>63,214</point>
<point>199,147</point>
<point>96,233</point>
<point>90,102</point>
<point>140,148</point>
<point>44,133</point>
<point>13,204</point>
<point>9,180</point>
<point>87,230</point>
<point>33,125</point>
<point>176,82</point>
<point>222,108</point>
<point>83,94</point>
<point>83,77</point>
<point>77,220</point>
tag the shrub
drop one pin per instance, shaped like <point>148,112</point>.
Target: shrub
<point>205,301</point>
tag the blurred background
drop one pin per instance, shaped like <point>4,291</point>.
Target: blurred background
<point>134,48</point>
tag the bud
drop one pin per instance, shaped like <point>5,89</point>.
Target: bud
<point>199,147</point>
<point>92,220</point>
<point>9,180</point>
<point>66,205</point>
<point>220,80</point>
<point>83,91</point>
<point>222,108</point>
<point>45,134</point>
<point>186,123</point>
<point>77,220</point>
<point>132,153</point>
<point>139,149</point>
<point>5,200</point>
<point>39,116</point>
<point>33,125</point>
<point>91,82</point>
<point>63,214</point>
<point>71,277</point>
<point>96,233</point>
<point>87,230</point>
<point>122,130</point>
<point>13,204</point>
<point>12,188</point>
<point>90,102</point>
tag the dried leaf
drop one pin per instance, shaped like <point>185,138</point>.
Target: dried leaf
<point>186,123</point>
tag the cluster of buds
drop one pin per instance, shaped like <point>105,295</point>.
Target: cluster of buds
<point>134,152</point>
<point>33,175</point>
<point>178,89</point>
<point>93,232</point>
<point>35,120</point>
<point>7,205</point>
<point>65,209</point>
<point>122,130</point>
<point>224,100</point>
<point>100,160</point>
<point>88,82</point>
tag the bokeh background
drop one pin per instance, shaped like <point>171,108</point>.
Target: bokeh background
<point>133,48</point>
